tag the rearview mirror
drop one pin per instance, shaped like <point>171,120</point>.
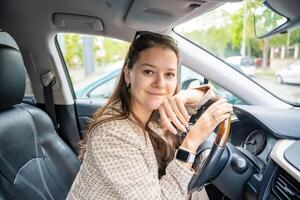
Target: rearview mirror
<point>266,21</point>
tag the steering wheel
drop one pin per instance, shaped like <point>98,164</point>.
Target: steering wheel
<point>208,168</point>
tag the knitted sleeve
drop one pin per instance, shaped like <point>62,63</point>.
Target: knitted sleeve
<point>192,108</point>
<point>118,151</point>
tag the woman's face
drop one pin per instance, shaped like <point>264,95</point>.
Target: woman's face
<point>153,78</point>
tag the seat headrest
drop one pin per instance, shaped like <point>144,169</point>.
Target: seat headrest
<point>12,72</point>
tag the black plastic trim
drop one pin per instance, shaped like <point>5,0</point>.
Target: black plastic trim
<point>282,123</point>
<point>68,129</point>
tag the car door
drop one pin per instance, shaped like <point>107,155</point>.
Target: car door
<point>297,74</point>
<point>289,75</point>
<point>294,73</point>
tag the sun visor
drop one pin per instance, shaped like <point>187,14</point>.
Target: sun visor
<point>79,23</point>
<point>157,15</point>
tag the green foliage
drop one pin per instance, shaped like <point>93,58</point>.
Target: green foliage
<point>226,40</point>
<point>107,50</point>
<point>73,50</point>
<point>213,39</point>
<point>236,28</point>
<point>256,47</point>
<point>115,50</point>
<point>282,39</point>
<point>278,40</point>
<point>295,37</point>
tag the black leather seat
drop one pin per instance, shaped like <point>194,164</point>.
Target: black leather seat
<point>35,163</point>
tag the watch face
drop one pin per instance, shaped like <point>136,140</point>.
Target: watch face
<point>182,155</point>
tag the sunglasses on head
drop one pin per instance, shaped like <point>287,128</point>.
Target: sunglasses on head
<point>152,35</point>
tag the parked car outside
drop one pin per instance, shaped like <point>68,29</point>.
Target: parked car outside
<point>290,74</point>
<point>102,87</point>
<point>247,64</point>
<point>259,62</point>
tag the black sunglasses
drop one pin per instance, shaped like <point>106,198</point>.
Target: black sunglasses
<point>152,35</point>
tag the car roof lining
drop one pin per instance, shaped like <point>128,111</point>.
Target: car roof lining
<point>125,15</point>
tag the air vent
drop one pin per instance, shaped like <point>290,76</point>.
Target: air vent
<point>285,187</point>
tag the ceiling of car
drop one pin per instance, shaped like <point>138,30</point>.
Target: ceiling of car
<point>116,16</point>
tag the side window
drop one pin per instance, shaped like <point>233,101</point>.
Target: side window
<point>104,90</point>
<point>231,98</point>
<point>93,62</point>
<point>190,79</point>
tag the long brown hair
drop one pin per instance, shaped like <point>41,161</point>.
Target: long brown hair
<point>164,149</point>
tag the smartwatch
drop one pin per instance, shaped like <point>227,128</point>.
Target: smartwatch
<point>184,155</point>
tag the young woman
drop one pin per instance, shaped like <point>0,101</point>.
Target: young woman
<point>129,151</point>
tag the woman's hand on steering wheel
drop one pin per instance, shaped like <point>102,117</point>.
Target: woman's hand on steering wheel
<point>208,121</point>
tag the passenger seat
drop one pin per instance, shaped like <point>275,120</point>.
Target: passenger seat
<point>35,163</point>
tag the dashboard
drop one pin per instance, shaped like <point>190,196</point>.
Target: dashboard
<point>272,137</point>
<point>252,137</point>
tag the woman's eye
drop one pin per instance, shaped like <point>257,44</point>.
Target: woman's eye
<point>170,74</point>
<point>148,72</point>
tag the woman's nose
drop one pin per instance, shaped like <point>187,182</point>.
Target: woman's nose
<point>160,81</point>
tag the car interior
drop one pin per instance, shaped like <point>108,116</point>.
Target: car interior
<point>42,121</point>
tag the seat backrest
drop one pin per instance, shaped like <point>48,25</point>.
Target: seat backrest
<point>35,163</point>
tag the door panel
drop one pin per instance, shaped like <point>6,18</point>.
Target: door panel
<point>85,109</point>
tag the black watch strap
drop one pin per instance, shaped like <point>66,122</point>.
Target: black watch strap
<point>184,155</point>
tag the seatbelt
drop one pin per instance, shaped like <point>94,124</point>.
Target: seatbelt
<point>48,79</point>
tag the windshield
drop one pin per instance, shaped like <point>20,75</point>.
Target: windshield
<point>228,33</point>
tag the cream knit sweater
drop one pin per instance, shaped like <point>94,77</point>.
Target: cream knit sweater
<point>120,163</point>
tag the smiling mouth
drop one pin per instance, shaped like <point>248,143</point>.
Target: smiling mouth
<point>156,94</point>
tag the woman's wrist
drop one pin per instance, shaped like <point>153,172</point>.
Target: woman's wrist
<point>190,145</point>
<point>192,141</point>
<point>187,165</point>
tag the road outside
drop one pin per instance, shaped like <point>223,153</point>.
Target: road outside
<point>283,91</point>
